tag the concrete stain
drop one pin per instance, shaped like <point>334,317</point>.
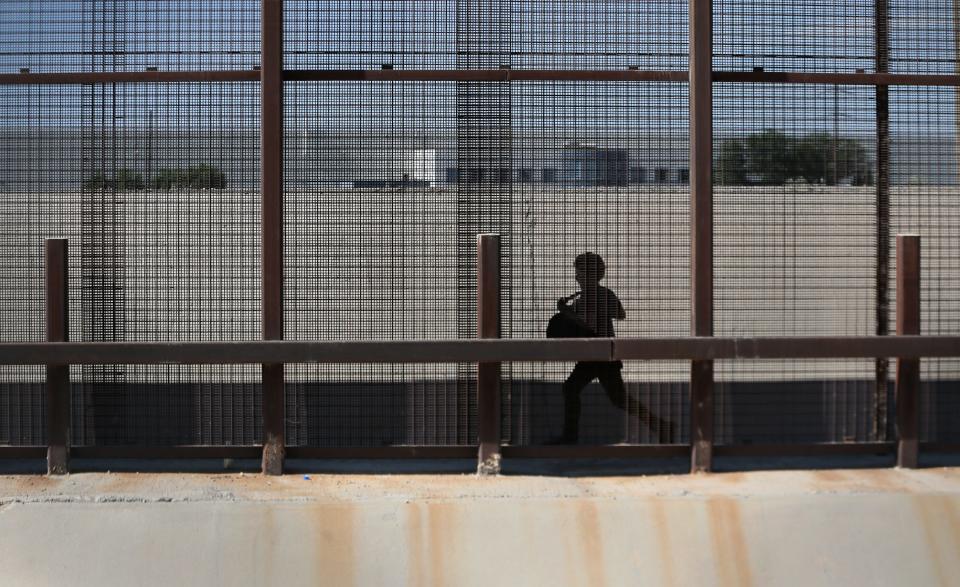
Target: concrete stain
<point>730,551</point>
<point>729,478</point>
<point>662,527</point>
<point>928,521</point>
<point>592,536</point>
<point>827,476</point>
<point>443,545</point>
<point>334,539</point>
<point>416,543</point>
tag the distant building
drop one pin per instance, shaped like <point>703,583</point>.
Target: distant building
<point>589,165</point>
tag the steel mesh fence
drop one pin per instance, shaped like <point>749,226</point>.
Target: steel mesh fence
<point>796,238</point>
<point>602,168</point>
<point>155,186</point>
<point>387,184</point>
<point>925,200</point>
<point>440,34</point>
<point>39,154</point>
<point>923,36</point>
<point>372,252</point>
<point>56,36</point>
<point>781,35</point>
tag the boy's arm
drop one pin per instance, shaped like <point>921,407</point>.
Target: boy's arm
<point>621,313</point>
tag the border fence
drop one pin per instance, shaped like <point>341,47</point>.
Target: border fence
<point>273,208</point>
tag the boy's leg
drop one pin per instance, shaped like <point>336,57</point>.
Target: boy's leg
<point>611,379</point>
<point>583,373</point>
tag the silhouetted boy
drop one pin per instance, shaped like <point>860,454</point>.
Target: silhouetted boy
<point>594,309</point>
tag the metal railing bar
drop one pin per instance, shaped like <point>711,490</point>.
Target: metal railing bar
<point>115,77</point>
<point>846,79</point>
<point>476,350</point>
<point>492,75</point>
<point>383,452</point>
<point>803,450</point>
<point>167,452</point>
<point>595,452</point>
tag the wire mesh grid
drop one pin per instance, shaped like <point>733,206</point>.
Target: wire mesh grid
<point>39,154</point>
<point>372,252</point>
<point>603,168</point>
<point>923,36</point>
<point>58,36</point>
<point>803,401</point>
<point>826,36</point>
<point>925,200</point>
<point>796,232</point>
<point>387,184</point>
<point>532,34</point>
<point>155,186</point>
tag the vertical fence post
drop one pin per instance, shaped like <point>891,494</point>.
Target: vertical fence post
<point>908,369</point>
<point>271,177</point>
<point>488,374</point>
<point>882,273</point>
<point>701,228</point>
<point>58,376</point>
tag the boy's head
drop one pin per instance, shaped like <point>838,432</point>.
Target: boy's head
<point>590,268</point>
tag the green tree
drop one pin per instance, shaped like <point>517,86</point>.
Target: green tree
<point>167,179</point>
<point>206,177</point>
<point>128,180</point>
<point>772,157</point>
<point>731,165</point>
<point>96,182</point>
<point>813,158</point>
<point>826,159</point>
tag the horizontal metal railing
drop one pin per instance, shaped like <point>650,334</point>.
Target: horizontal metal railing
<point>478,350</point>
<point>858,78</point>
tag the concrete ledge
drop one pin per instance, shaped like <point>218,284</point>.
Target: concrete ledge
<point>837,527</point>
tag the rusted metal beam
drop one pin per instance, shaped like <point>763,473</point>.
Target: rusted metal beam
<point>119,77</point>
<point>882,214</point>
<point>595,452</point>
<point>495,75</point>
<point>167,452</point>
<point>817,449</point>
<point>477,351</point>
<point>271,174</point>
<point>486,75</point>
<point>23,452</point>
<point>846,79</point>
<point>940,447</point>
<point>701,228</point>
<point>488,373</point>
<point>908,369</point>
<point>58,376</point>
<point>383,452</point>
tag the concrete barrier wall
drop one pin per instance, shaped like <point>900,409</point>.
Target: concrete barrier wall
<point>828,528</point>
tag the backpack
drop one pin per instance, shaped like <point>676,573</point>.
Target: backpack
<point>565,324</point>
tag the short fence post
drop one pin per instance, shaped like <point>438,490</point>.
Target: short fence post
<point>58,376</point>
<point>908,369</point>
<point>488,374</point>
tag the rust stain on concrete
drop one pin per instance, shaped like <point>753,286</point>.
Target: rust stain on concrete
<point>729,542</point>
<point>416,545</point>
<point>662,527</point>
<point>928,521</point>
<point>334,539</point>
<point>941,528</point>
<point>828,476</point>
<point>443,544</point>
<point>592,539</point>
<point>729,478</point>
